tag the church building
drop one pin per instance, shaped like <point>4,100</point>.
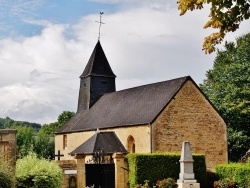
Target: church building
<point>156,117</point>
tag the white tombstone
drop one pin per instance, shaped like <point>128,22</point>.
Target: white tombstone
<point>186,176</point>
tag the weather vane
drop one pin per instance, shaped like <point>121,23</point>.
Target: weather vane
<point>100,22</point>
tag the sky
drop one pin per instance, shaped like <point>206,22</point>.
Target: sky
<point>45,46</point>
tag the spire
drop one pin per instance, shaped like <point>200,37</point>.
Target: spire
<point>96,79</point>
<point>98,64</point>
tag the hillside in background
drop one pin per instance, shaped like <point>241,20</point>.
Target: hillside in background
<point>7,123</point>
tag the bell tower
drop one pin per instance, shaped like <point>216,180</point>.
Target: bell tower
<point>96,79</point>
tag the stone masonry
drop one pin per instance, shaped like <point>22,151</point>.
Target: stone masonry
<point>138,132</point>
<point>8,145</point>
<point>190,116</point>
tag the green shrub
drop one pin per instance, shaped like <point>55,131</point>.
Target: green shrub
<point>166,183</point>
<point>158,166</point>
<point>225,183</point>
<point>7,178</point>
<point>37,173</point>
<point>236,172</point>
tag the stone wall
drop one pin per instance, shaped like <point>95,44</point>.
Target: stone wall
<point>8,145</point>
<point>73,141</point>
<point>190,117</point>
<point>141,135</point>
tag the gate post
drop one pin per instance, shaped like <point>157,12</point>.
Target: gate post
<point>119,171</point>
<point>80,166</point>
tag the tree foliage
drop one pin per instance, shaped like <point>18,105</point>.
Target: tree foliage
<point>65,116</point>
<point>237,144</point>
<point>50,129</point>
<point>228,87</point>
<point>44,145</point>
<point>37,173</point>
<point>41,142</point>
<point>225,15</point>
<point>25,140</point>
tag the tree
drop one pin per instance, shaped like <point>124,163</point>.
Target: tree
<point>224,15</point>
<point>44,142</point>
<point>25,140</point>
<point>228,87</point>
<point>65,116</point>
<point>37,173</point>
<point>237,144</point>
<point>50,129</point>
<point>44,145</point>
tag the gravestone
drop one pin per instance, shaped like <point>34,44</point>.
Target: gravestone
<point>187,176</point>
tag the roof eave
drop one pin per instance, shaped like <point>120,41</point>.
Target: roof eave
<point>110,127</point>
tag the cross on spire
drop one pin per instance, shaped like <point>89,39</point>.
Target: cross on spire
<point>100,22</point>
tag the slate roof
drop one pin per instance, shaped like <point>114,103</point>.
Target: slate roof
<point>135,106</point>
<point>98,64</point>
<point>107,141</point>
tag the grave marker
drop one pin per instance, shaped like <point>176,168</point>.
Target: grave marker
<point>186,176</point>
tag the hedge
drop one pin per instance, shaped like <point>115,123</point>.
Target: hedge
<point>237,172</point>
<point>157,166</point>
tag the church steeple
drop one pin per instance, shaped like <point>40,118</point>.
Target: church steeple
<point>98,64</point>
<point>96,79</point>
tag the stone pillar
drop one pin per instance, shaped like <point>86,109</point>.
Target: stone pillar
<point>186,176</point>
<point>120,180</point>
<point>81,173</point>
<point>8,146</point>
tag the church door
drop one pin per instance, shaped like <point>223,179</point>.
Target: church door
<point>100,175</point>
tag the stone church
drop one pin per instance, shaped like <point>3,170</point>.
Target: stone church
<point>156,117</point>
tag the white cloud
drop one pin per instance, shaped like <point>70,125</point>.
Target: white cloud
<point>152,44</point>
<point>37,74</point>
<point>40,74</point>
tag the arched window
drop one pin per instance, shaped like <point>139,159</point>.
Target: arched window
<point>131,144</point>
